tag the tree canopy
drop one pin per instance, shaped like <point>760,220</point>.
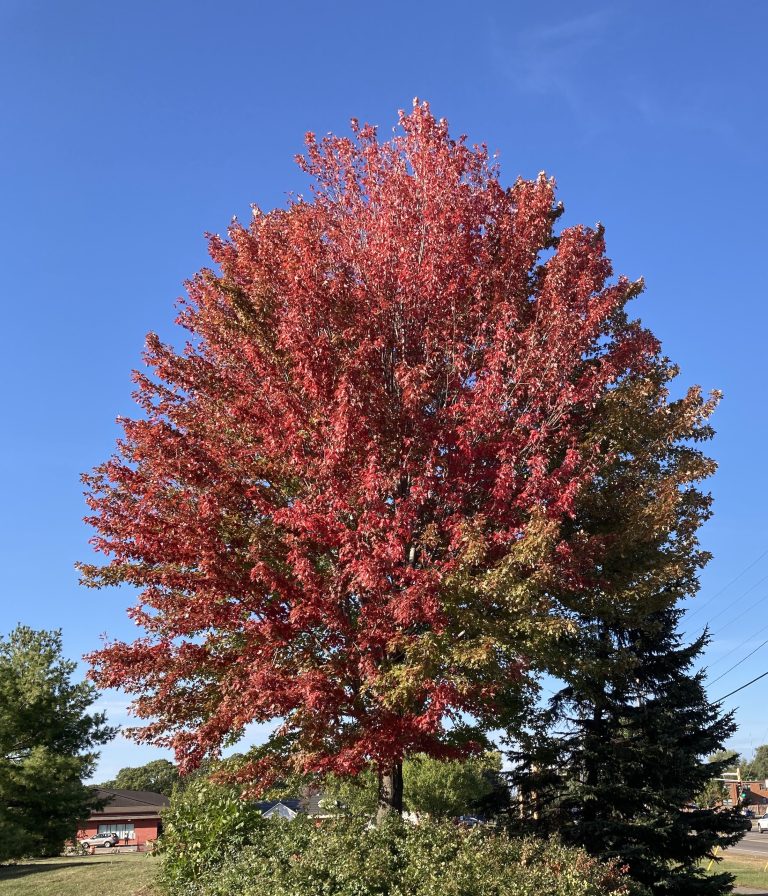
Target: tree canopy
<point>47,745</point>
<point>159,776</point>
<point>350,503</point>
<point>757,768</point>
<point>439,789</point>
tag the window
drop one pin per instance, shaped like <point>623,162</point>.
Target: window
<point>122,830</point>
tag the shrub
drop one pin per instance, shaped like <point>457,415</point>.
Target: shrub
<point>346,858</point>
<point>206,824</point>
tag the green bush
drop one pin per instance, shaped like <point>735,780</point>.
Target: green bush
<point>204,826</point>
<point>346,858</point>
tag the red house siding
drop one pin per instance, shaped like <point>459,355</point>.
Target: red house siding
<point>757,796</point>
<point>144,829</point>
<point>140,808</point>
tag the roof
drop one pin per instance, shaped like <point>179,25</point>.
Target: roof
<point>268,805</point>
<point>308,804</point>
<point>138,803</point>
<point>281,810</point>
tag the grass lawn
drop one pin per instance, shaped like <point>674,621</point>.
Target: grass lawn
<point>132,875</point>
<point>749,870</point>
<point>109,875</point>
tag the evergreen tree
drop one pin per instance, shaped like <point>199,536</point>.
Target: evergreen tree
<point>621,755</point>
<point>47,741</point>
<point>618,757</point>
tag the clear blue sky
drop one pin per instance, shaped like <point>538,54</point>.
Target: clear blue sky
<point>129,129</point>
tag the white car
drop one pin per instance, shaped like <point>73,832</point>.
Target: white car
<point>762,823</point>
<point>101,840</point>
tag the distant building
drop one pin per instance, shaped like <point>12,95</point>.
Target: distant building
<point>285,809</point>
<point>288,808</point>
<point>134,815</point>
<point>752,794</point>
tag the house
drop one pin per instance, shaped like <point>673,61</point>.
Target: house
<point>284,809</point>
<point>287,808</point>
<point>753,794</point>
<point>132,814</point>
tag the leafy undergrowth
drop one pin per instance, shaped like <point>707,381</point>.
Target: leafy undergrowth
<point>346,858</point>
<point>112,875</point>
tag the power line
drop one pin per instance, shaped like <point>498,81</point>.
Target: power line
<point>742,614</point>
<point>742,687</point>
<point>706,603</point>
<point>735,665</point>
<point>733,602</point>
<point>762,739</point>
<point>738,647</point>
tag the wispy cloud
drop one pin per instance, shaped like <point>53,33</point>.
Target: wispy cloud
<point>549,59</point>
<point>574,66</point>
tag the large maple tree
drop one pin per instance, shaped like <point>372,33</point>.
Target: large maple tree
<point>347,501</point>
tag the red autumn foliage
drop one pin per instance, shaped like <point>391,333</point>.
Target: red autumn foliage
<point>385,387</point>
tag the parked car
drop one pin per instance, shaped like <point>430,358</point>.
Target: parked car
<point>101,840</point>
<point>762,823</point>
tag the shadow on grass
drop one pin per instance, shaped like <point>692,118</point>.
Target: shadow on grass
<point>9,872</point>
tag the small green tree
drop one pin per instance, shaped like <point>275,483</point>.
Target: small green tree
<point>451,788</point>
<point>714,791</point>
<point>159,776</point>
<point>712,794</point>
<point>757,768</point>
<point>47,745</point>
<point>432,787</point>
<point>355,795</point>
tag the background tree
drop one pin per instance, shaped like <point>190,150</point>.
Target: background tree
<point>159,776</point>
<point>436,788</point>
<point>757,768</point>
<point>452,788</point>
<point>350,498</point>
<point>732,757</point>
<point>47,741</point>
<point>715,791</point>
<point>620,776</point>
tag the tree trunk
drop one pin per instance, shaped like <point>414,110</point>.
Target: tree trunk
<point>390,791</point>
<point>594,737</point>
